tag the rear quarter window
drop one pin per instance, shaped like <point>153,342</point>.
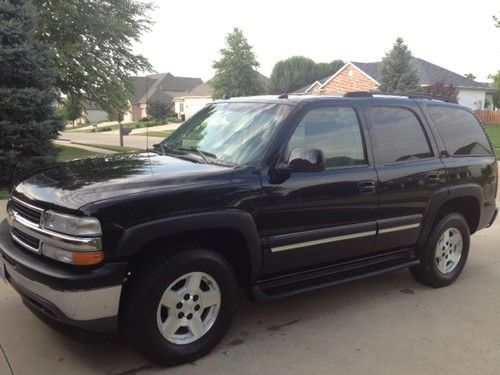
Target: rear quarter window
<point>460,131</point>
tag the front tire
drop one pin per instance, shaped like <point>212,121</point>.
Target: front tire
<point>178,308</point>
<point>443,257</point>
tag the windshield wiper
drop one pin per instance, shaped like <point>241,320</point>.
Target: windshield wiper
<point>204,154</point>
<point>208,157</point>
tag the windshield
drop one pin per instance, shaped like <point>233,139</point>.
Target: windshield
<point>233,133</point>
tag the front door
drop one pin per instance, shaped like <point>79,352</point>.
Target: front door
<point>316,218</point>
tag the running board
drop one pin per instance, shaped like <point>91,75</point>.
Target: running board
<point>284,286</point>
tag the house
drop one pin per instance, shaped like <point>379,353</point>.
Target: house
<point>193,100</point>
<point>92,113</point>
<point>163,87</point>
<point>358,76</point>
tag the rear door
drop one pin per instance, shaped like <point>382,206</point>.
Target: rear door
<point>409,171</point>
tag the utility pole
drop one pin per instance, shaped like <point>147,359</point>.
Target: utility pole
<point>121,134</point>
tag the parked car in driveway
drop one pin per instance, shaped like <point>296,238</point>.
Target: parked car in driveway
<point>273,195</point>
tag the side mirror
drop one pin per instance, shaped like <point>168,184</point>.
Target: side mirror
<point>304,160</point>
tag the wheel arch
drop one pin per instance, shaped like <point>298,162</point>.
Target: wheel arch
<point>202,229</point>
<point>464,199</point>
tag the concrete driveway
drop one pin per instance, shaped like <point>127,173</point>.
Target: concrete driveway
<point>384,325</point>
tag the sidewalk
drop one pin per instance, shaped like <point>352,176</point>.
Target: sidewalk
<point>107,138</point>
<point>88,148</point>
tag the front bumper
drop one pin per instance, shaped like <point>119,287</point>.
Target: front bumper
<point>493,218</point>
<point>88,299</point>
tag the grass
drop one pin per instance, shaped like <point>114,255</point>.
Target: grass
<point>108,147</point>
<point>71,153</point>
<point>494,133</point>
<point>4,193</point>
<point>161,133</point>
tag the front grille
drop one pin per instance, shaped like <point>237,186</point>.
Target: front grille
<point>26,212</point>
<point>26,239</point>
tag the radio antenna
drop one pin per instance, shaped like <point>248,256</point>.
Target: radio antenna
<point>147,114</point>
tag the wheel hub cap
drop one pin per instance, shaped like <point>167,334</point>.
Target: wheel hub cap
<point>188,308</point>
<point>448,250</point>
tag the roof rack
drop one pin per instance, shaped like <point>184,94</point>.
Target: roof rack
<point>410,95</point>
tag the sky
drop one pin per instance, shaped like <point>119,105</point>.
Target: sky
<point>457,35</point>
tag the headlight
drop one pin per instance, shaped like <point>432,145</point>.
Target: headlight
<point>69,224</point>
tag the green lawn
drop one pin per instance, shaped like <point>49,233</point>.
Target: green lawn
<point>108,147</point>
<point>4,193</point>
<point>70,153</point>
<point>494,133</point>
<point>163,133</point>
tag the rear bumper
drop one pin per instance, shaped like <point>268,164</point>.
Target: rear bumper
<point>88,299</point>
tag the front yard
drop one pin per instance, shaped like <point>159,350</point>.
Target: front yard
<point>494,133</point>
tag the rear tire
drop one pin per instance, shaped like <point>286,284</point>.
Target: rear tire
<point>177,309</point>
<point>443,257</point>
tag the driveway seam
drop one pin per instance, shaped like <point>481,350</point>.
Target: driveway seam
<point>6,359</point>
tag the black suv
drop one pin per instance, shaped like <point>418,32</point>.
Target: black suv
<point>273,195</point>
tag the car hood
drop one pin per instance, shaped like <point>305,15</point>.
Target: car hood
<point>77,183</point>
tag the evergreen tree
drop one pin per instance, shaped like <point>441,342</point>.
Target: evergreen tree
<point>235,72</point>
<point>395,70</point>
<point>28,120</point>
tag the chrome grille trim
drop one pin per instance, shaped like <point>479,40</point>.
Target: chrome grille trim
<point>24,244</point>
<point>26,210</point>
<point>43,235</point>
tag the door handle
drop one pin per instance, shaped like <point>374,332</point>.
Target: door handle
<point>431,178</point>
<point>366,187</point>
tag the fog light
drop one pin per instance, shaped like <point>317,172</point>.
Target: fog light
<point>79,258</point>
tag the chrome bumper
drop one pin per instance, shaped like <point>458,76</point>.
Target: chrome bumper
<point>80,305</point>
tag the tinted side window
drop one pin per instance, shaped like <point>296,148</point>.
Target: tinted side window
<point>333,130</point>
<point>398,135</point>
<point>460,131</point>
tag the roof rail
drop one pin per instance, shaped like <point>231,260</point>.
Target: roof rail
<point>410,95</point>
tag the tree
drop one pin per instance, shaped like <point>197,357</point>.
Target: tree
<point>297,71</point>
<point>117,113</point>
<point>158,110</point>
<point>396,71</point>
<point>327,69</point>
<point>292,73</point>
<point>443,90</point>
<point>94,41</point>
<point>235,71</point>
<point>28,119</point>
<point>71,109</point>
<point>496,96</point>
<point>470,76</point>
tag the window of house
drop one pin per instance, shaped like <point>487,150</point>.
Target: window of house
<point>460,131</point>
<point>398,135</point>
<point>181,107</point>
<point>335,131</point>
